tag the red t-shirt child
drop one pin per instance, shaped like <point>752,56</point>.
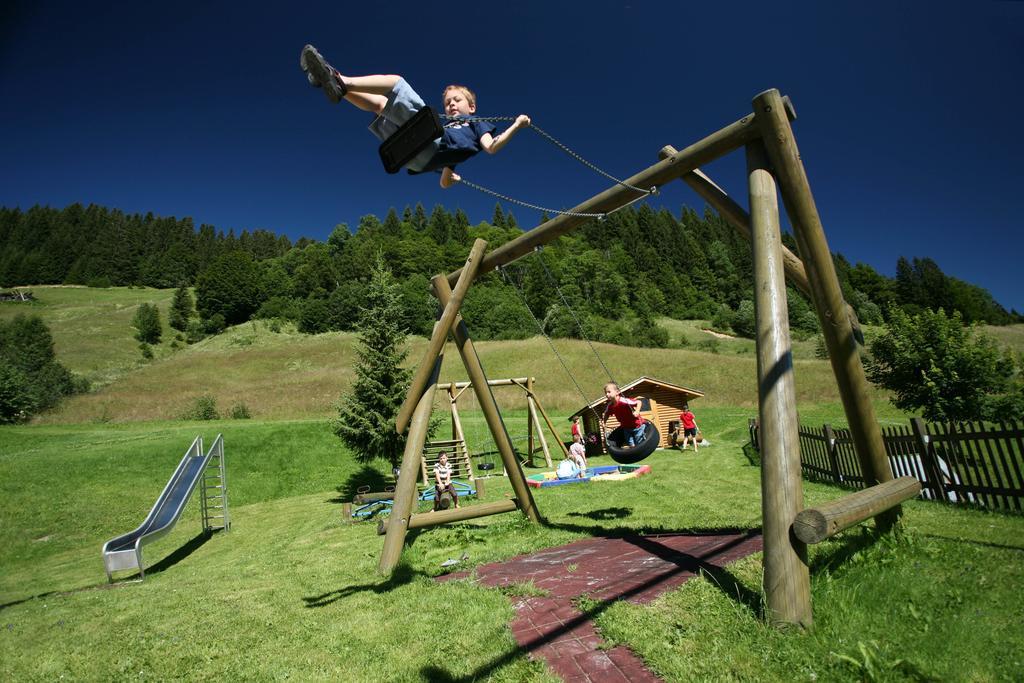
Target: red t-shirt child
<point>687,418</point>
<point>622,409</point>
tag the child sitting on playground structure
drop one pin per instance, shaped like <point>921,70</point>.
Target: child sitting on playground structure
<point>577,452</point>
<point>569,469</point>
<point>626,411</point>
<point>689,427</point>
<point>443,481</point>
<point>395,102</point>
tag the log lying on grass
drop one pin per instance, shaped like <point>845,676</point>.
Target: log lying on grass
<point>425,519</point>
<point>814,525</point>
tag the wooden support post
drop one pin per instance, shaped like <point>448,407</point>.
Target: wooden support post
<point>440,335</point>
<point>531,417</point>
<point>531,405</point>
<point>488,405</point>
<point>786,577</point>
<point>405,489</point>
<point>454,412</point>
<point>479,484</point>
<point>814,525</point>
<point>547,420</point>
<point>438,517</point>
<point>702,152</point>
<point>825,292</point>
<point>346,512</point>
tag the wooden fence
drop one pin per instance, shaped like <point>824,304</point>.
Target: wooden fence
<point>964,463</point>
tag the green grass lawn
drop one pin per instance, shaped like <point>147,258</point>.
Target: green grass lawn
<point>292,592</point>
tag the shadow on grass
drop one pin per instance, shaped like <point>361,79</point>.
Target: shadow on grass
<point>986,544</point>
<point>193,544</point>
<point>366,476</point>
<point>701,564</point>
<point>848,545</point>
<point>752,455</point>
<point>402,575</point>
<point>174,558</point>
<point>604,514</point>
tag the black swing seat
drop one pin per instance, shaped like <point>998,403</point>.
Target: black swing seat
<point>627,456</point>
<point>410,139</point>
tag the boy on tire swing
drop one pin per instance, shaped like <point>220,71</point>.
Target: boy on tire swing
<point>627,412</point>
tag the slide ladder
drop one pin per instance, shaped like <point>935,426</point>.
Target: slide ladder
<point>215,491</point>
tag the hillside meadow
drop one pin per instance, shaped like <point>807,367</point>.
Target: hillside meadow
<point>287,375</point>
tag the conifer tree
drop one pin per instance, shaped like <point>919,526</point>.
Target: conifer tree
<point>181,308</point>
<point>147,324</point>
<point>366,414</point>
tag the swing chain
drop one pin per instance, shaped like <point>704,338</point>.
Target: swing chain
<point>480,188</point>
<point>540,326</point>
<point>544,134</point>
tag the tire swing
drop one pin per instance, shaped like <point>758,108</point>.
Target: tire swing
<point>616,439</point>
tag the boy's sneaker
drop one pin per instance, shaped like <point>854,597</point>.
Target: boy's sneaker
<point>321,74</point>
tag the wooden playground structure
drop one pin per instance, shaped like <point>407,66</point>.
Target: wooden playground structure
<point>773,165</point>
<point>458,444</point>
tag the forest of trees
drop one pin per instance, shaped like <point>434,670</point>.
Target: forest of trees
<point>617,275</point>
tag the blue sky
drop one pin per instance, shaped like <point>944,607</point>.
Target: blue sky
<point>907,110</point>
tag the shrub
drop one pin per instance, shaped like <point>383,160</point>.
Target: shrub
<point>240,411</point>
<point>721,321</point>
<point>709,345</point>
<point>933,364</point>
<point>195,331</point>
<point>215,324</point>
<point>202,408</point>
<point>147,350</point>
<point>743,322</point>
<point>147,324</point>
<point>33,379</point>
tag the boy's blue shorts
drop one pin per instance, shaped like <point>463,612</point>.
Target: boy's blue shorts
<point>403,102</point>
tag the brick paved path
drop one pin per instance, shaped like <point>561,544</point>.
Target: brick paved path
<point>636,568</point>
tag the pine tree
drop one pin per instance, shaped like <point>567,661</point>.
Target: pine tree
<point>181,309</point>
<point>366,415</point>
<point>147,324</point>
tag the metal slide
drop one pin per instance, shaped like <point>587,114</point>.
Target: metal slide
<point>125,552</point>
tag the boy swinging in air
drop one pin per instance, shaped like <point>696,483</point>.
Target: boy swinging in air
<point>395,102</point>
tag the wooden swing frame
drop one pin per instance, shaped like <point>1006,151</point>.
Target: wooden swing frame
<point>773,165</point>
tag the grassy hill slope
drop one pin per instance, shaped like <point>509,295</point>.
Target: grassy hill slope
<point>287,375</point>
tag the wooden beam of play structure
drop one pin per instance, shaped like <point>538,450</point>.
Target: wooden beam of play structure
<point>787,581</point>
<point>535,402</point>
<point>488,405</point>
<point>817,524</point>
<point>460,514</point>
<point>826,294</point>
<point>490,383</point>
<point>440,335</point>
<point>732,137</point>
<point>405,489</point>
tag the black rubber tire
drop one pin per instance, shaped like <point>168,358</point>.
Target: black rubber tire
<point>628,456</point>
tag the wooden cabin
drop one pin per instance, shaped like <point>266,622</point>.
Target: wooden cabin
<point>660,402</point>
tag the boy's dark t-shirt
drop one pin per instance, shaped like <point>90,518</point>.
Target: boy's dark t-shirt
<point>459,142</point>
